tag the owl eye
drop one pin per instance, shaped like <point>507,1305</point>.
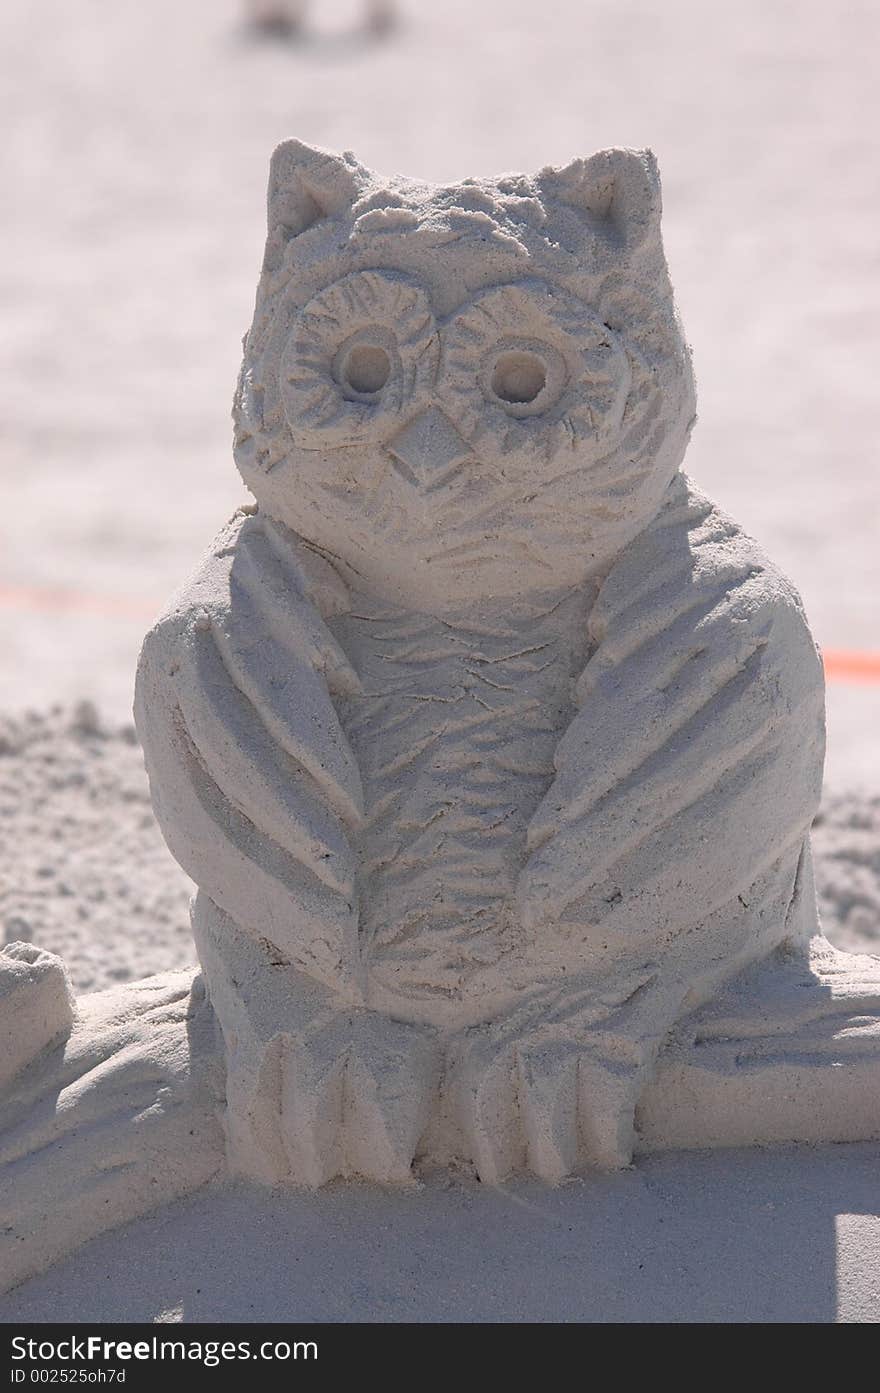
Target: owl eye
<point>518,379</point>
<point>531,371</point>
<point>362,368</point>
<point>363,350</point>
<point>523,377</point>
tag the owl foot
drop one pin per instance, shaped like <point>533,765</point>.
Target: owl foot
<point>316,1087</point>
<point>348,1096</point>
<point>551,1107</point>
<point>356,1096</point>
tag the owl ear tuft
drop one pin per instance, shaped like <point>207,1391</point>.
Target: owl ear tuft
<point>616,191</point>
<point>307,185</point>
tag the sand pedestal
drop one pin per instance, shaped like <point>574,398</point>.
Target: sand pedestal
<point>127,1114</point>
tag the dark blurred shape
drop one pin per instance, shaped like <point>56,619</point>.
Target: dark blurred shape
<point>274,19</point>
<point>285,19</point>
<point>381,15</point>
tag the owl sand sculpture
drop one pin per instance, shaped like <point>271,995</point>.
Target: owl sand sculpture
<point>491,744</point>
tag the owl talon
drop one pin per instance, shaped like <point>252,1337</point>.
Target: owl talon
<point>548,1104</point>
<point>485,1089</point>
<point>544,1106</point>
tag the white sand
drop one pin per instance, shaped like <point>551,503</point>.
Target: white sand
<point>768,1236</point>
<point>135,168</point>
<point>83,868</point>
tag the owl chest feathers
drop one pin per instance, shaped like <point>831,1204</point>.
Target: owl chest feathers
<point>454,735</point>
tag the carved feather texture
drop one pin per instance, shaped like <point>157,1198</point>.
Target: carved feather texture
<point>254,783</point>
<point>454,733</point>
<point>693,709</point>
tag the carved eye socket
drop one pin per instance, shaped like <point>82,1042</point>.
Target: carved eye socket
<point>518,378</point>
<point>367,369</point>
<point>363,365</point>
<point>530,371</point>
<point>523,377</point>
<point>359,353</point>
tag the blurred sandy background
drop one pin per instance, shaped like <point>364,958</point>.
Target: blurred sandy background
<point>136,136</point>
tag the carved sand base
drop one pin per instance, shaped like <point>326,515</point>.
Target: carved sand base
<point>123,1114</point>
<point>790,1052</point>
<point>117,1112</point>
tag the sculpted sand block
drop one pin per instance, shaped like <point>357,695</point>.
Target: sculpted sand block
<point>491,744</point>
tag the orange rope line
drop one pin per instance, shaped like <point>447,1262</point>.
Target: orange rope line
<point>848,665</point>
<point>47,600</point>
<point>841,664</point>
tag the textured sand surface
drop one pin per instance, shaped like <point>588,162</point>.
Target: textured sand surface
<point>776,1235</point>
<point>84,871</point>
<point>83,868</point>
<point>846,838</point>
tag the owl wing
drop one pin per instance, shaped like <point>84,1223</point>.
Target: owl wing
<point>253,782</point>
<point>695,757</point>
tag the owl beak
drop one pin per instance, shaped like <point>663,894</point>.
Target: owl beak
<point>429,449</point>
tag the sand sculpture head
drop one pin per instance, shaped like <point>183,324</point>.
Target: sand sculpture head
<point>475,388</point>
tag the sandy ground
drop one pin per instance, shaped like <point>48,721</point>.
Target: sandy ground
<point>778,1235</point>
<point>136,138</point>
<point>83,869</point>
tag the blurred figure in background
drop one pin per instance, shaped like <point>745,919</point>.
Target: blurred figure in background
<point>275,18</point>
<point>286,18</point>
